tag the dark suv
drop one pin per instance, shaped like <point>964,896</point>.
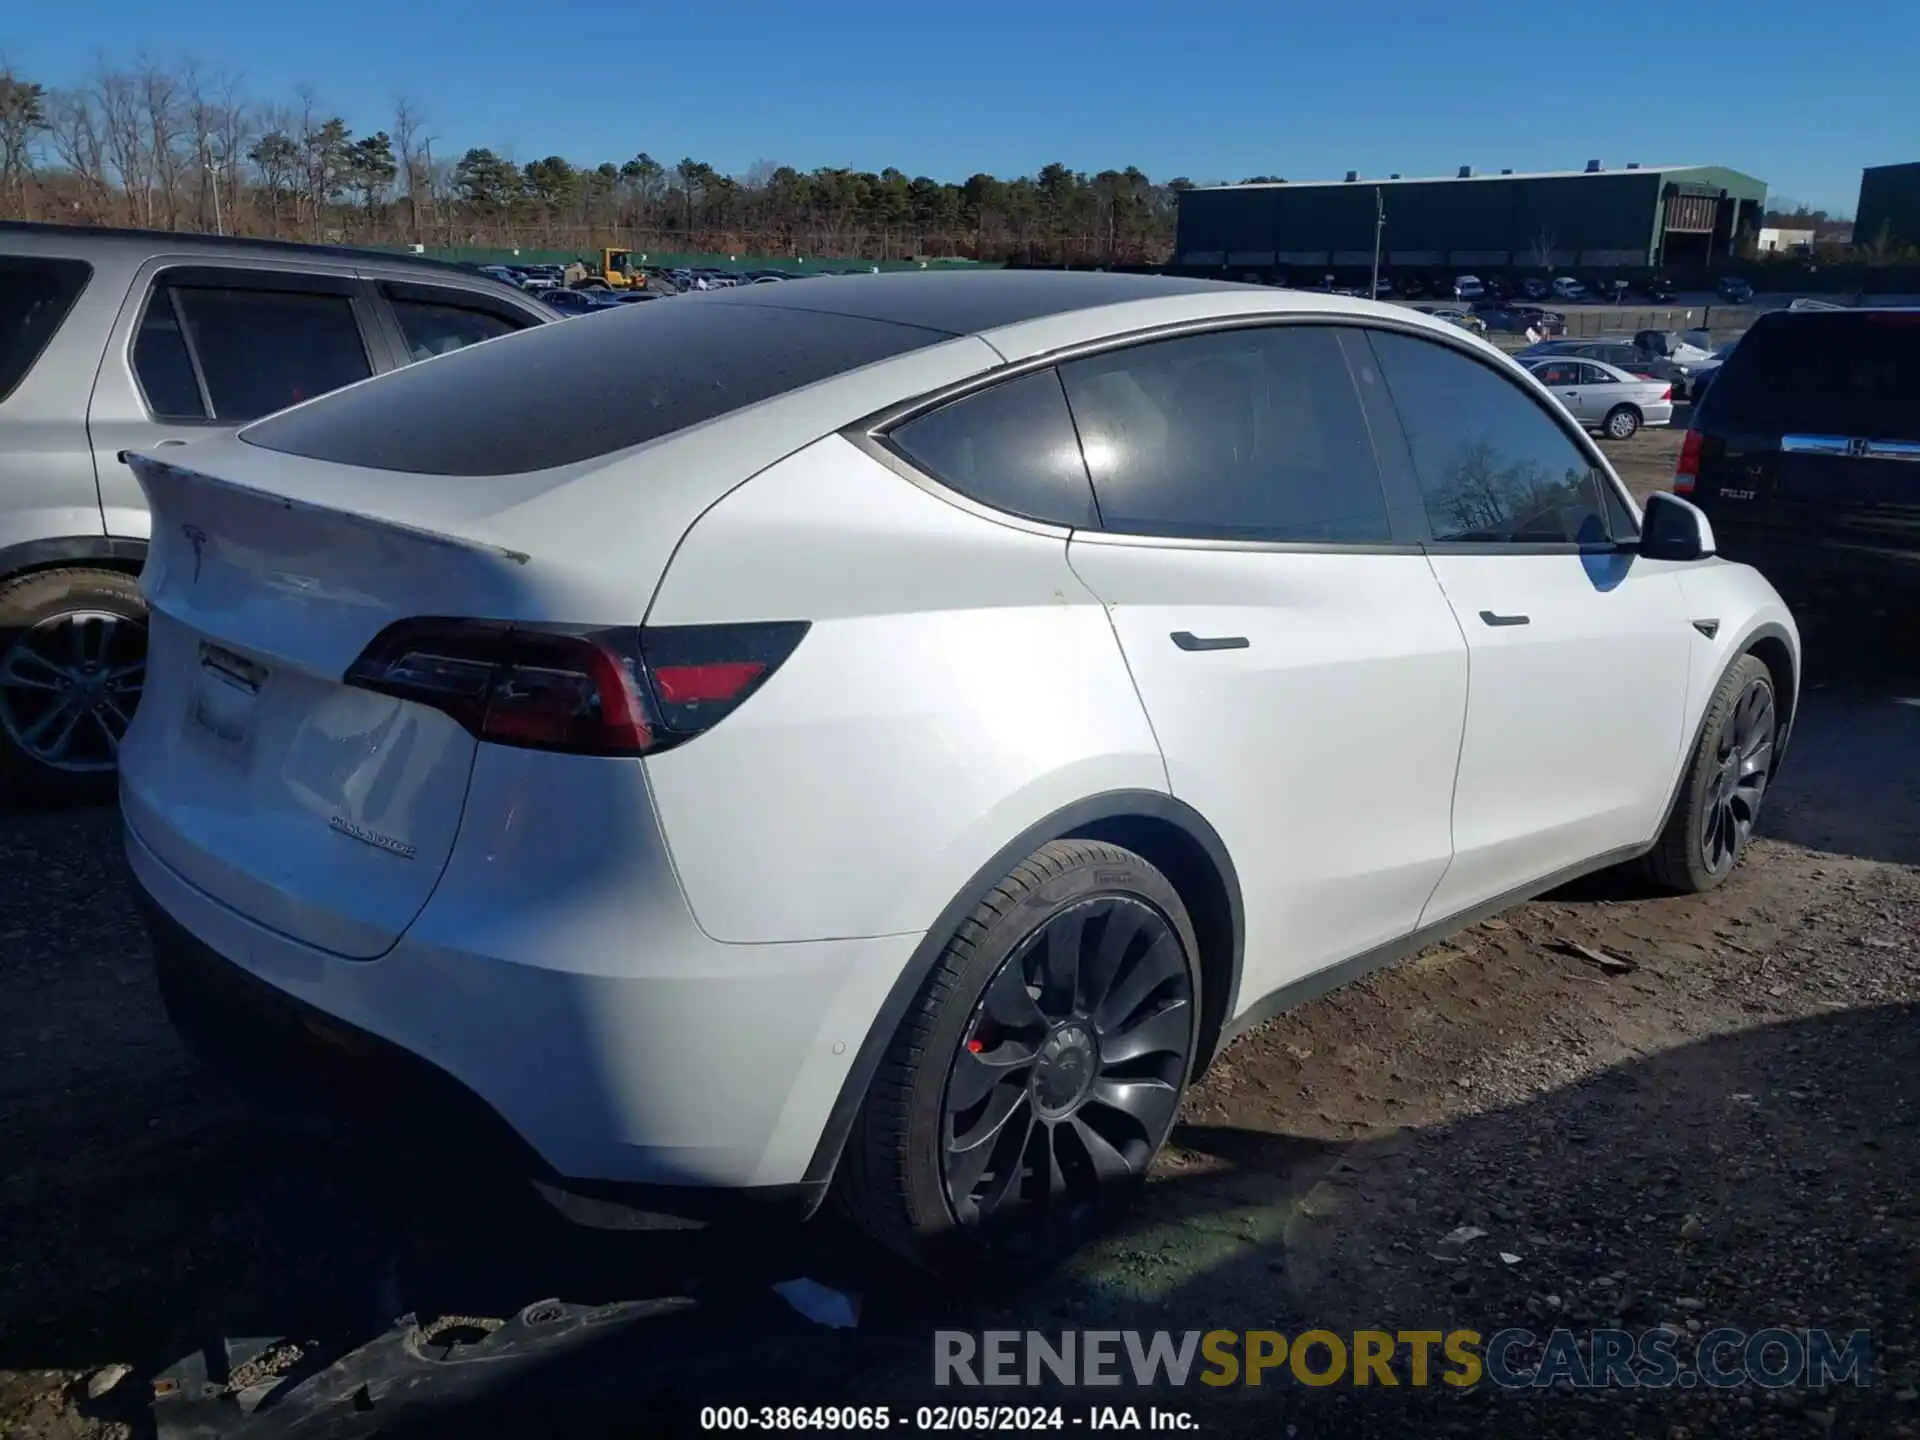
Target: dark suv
<point>1805,452</point>
<point>115,340</point>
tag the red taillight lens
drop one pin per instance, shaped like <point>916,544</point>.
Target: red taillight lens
<point>582,690</point>
<point>1687,469</point>
<point>1667,394</point>
<point>702,673</point>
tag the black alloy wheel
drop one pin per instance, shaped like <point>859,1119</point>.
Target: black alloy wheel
<point>1069,1073</point>
<point>1743,763</point>
<point>1733,761</point>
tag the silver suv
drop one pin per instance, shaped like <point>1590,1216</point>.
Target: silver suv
<point>115,340</point>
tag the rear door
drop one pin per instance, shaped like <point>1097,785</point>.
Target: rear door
<point>202,348</point>
<point>1567,379</point>
<point>1300,667</point>
<point>1580,651</point>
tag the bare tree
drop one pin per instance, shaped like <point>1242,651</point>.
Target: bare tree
<point>75,136</point>
<point>413,150</point>
<point>160,103</point>
<point>23,115</point>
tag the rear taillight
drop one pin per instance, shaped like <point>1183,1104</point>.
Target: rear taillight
<point>1667,394</point>
<point>1687,469</point>
<point>579,689</point>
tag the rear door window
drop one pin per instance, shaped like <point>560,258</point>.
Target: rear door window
<point>35,296</point>
<point>164,366</point>
<point>437,320</point>
<point>1824,373</point>
<point>1011,447</point>
<point>228,352</point>
<point>263,350</point>
<point>1245,434</point>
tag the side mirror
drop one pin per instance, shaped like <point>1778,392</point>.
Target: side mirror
<point>1674,529</point>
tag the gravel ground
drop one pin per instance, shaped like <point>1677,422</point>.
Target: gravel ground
<point>1723,1133</point>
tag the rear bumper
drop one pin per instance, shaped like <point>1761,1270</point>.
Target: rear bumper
<point>679,1075</point>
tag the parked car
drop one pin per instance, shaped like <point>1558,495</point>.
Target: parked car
<point>116,340</point>
<point>1658,289</point>
<point>1604,397</point>
<point>1548,322</point>
<point>1704,372</point>
<point>1568,288</point>
<point>537,278</point>
<point>580,302</point>
<point>1468,287</point>
<point>1734,290</point>
<point>1534,288</point>
<point>1498,288</point>
<point>1382,288</point>
<point>1805,448</point>
<point>504,274</point>
<point>1465,319</point>
<point>972,999</point>
<point>1501,318</point>
<point>1413,287</point>
<point>1616,351</point>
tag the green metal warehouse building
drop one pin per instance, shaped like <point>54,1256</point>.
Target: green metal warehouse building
<point>1684,216</point>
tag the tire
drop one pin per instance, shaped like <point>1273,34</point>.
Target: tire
<point>1622,423</point>
<point>1741,726</point>
<point>73,645</point>
<point>909,1179</point>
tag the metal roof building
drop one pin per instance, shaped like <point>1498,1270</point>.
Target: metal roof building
<point>1889,209</point>
<point>1638,216</point>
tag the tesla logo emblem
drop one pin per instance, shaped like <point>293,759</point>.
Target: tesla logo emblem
<point>197,538</point>
<point>1858,448</point>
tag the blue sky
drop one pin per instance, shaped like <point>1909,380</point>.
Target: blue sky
<point>1801,96</point>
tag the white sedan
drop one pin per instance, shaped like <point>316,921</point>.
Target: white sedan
<point>899,729</point>
<point>1604,397</point>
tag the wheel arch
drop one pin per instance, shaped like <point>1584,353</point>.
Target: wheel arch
<point>1170,834</point>
<point>112,552</point>
<point>1769,643</point>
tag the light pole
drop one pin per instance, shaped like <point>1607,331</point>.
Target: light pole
<point>1379,228</point>
<point>214,168</point>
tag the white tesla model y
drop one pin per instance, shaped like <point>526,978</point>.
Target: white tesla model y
<point>887,734</point>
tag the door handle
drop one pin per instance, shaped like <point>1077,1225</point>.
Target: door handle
<point>158,443</point>
<point>1499,620</point>
<point>1187,640</point>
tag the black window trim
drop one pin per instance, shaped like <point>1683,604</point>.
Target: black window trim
<point>868,434</point>
<point>374,339</point>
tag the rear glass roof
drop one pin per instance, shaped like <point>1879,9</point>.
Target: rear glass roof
<point>580,388</point>
<point>963,302</point>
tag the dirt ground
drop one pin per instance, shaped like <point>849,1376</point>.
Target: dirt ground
<point>1724,1133</point>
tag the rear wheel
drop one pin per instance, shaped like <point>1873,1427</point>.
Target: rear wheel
<point>73,660</point>
<point>1038,1073</point>
<point>1726,780</point>
<point>1622,423</point>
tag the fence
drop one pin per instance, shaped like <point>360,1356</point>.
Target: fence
<point>810,265</point>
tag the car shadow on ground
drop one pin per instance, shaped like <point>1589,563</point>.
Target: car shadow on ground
<point>1653,1192</point>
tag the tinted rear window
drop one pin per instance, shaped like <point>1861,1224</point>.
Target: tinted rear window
<point>35,296</point>
<point>558,394</point>
<point>1831,374</point>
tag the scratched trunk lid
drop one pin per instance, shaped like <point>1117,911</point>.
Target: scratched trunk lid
<point>318,809</point>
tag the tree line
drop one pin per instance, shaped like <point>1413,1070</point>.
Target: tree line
<point>180,148</point>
